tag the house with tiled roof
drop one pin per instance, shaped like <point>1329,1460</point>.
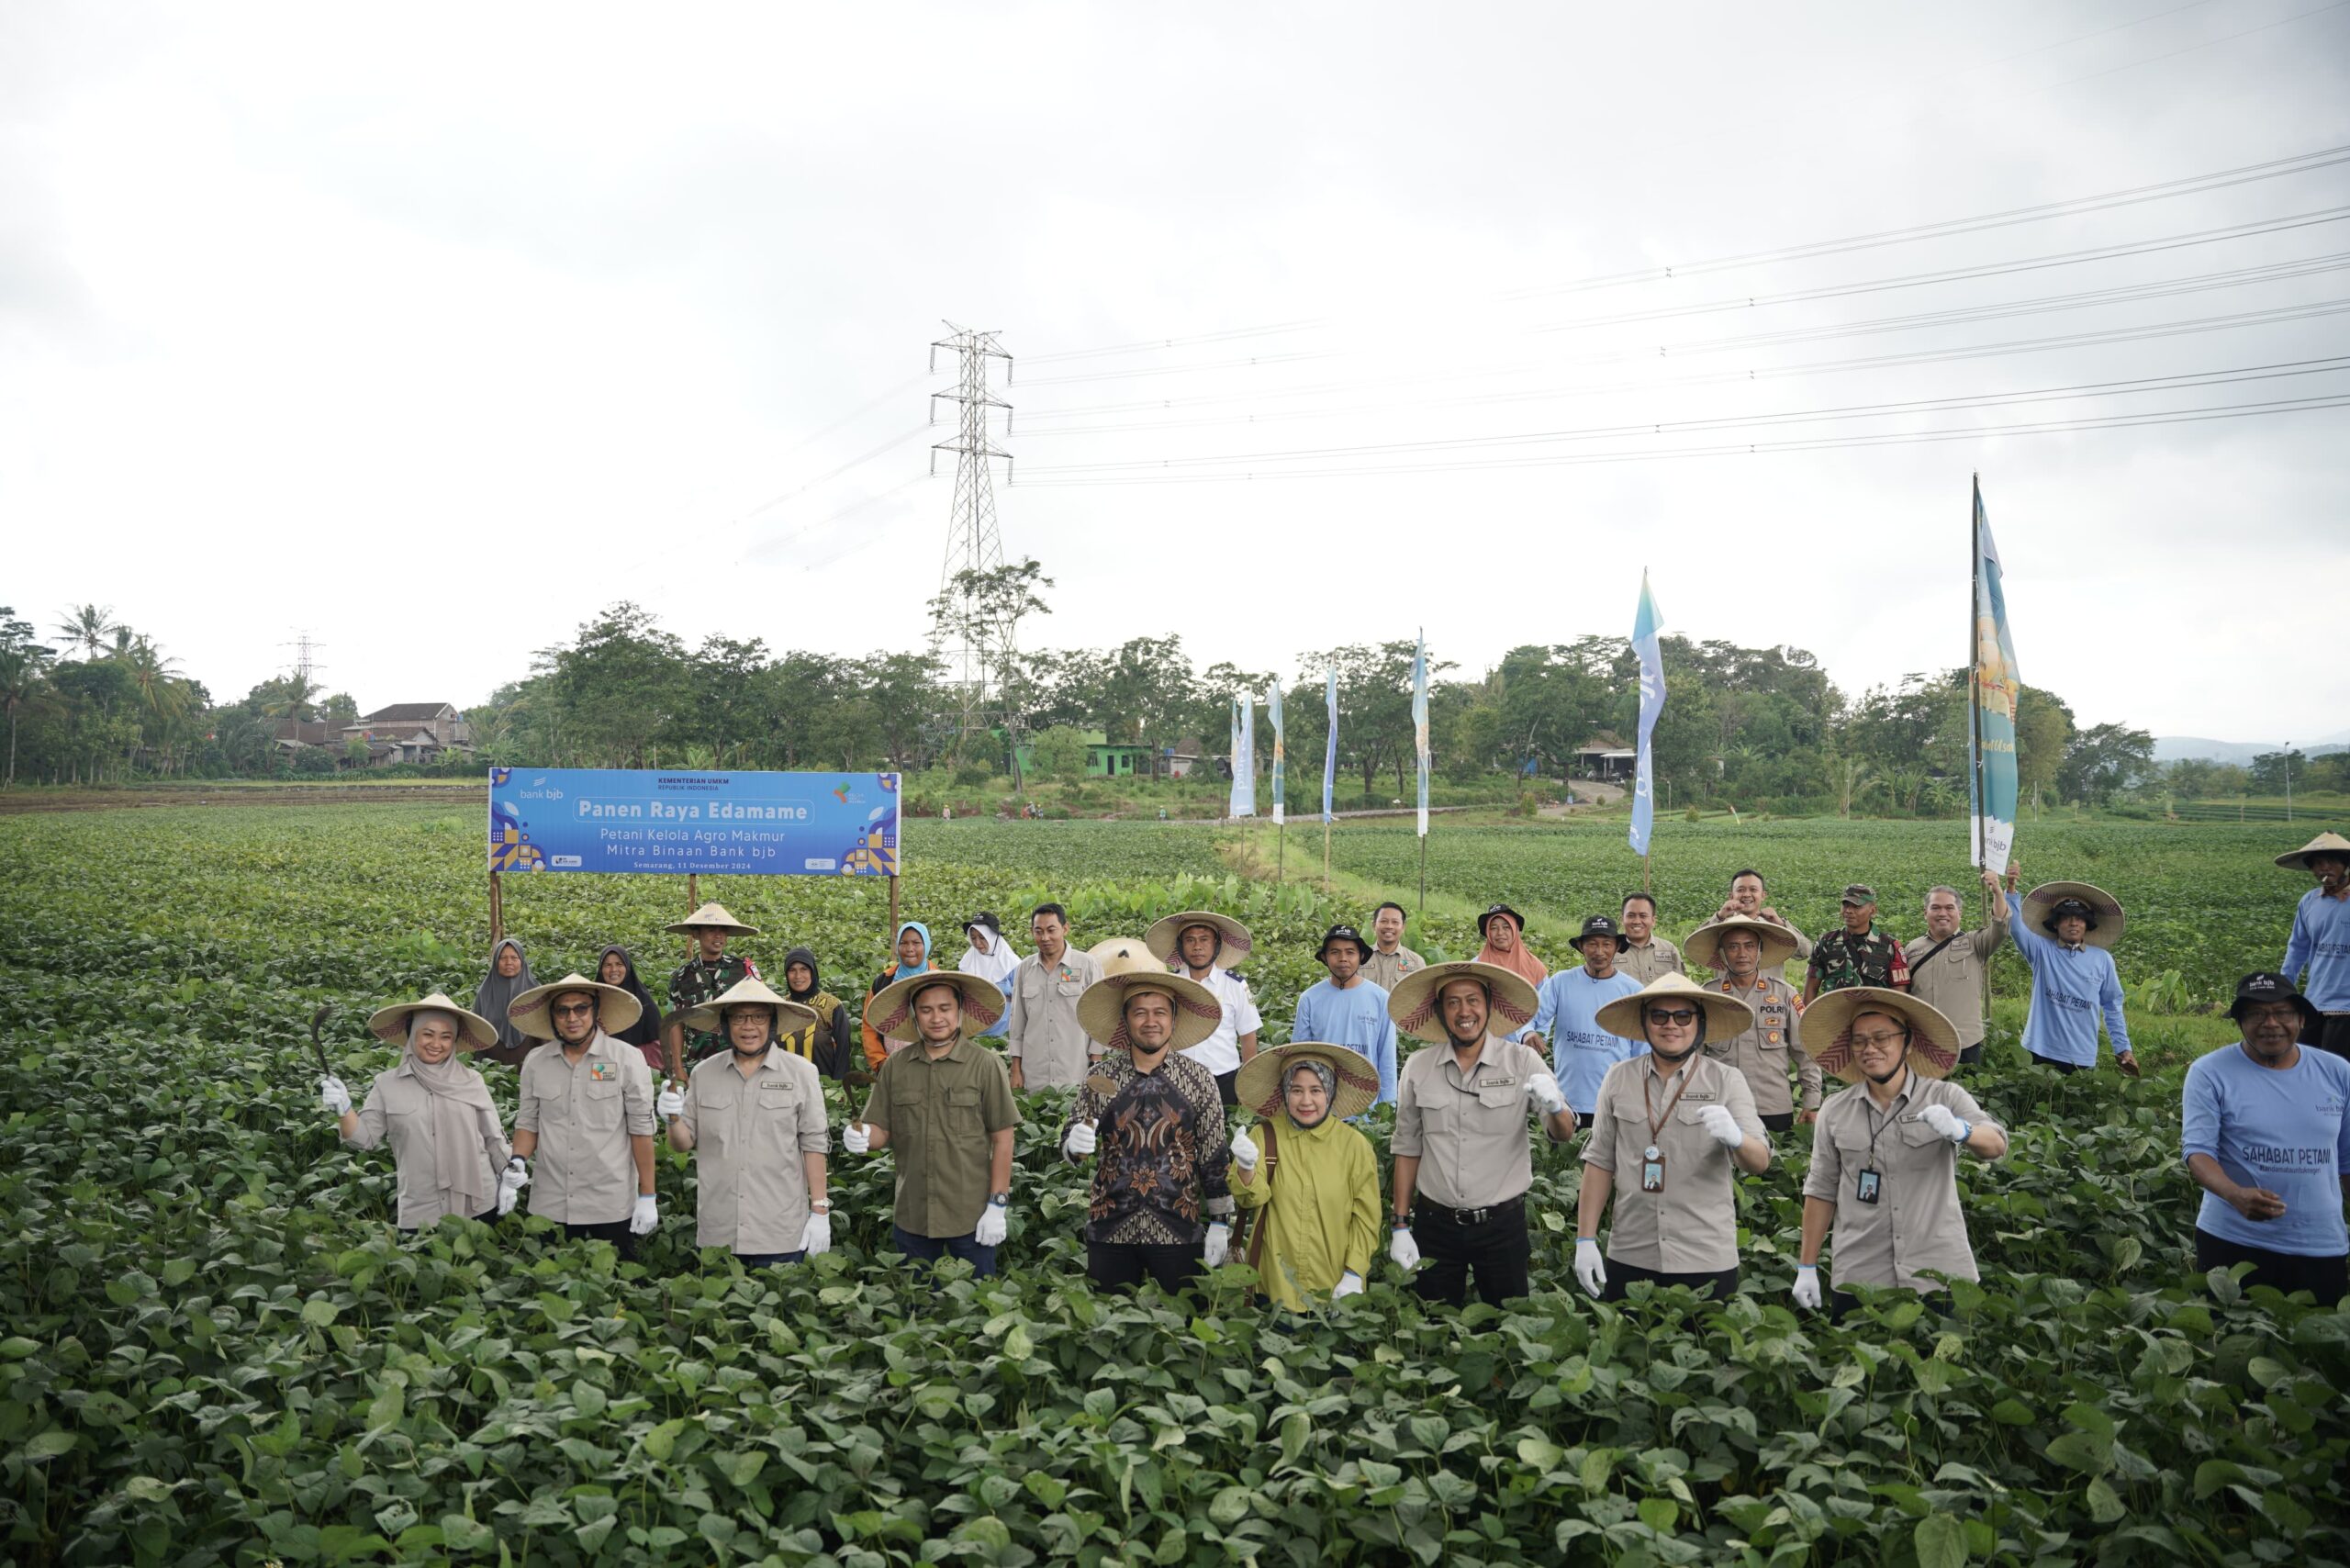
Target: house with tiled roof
<point>411,731</point>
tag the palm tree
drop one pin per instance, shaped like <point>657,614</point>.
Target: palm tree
<point>90,626</point>
<point>20,671</point>
<point>156,679</point>
<point>1849,776</point>
<point>294,697</point>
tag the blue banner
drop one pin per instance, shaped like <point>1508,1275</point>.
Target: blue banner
<point>1280,756</point>
<point>1420,723</point>
<point>731,824</point>
<point>1644,643</point>
<point>1994,688</point>
<point>1244,759</point>
<point>1330,746</point>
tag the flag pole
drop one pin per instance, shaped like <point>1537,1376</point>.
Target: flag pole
<point>1975,711</point>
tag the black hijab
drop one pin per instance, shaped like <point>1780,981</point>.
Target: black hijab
<point>646,1030</point>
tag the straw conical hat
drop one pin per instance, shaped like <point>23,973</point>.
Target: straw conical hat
<point>1164,935</point>
<point>1726,1016</point>
<point>1703,946</point>
<point>1126,955</point>
<point>1411,1005</point>
<point>1262,1076</point>
<point>712,914</point>
<point>474,1032</point>
<point>615,1009</point>
<point>748,991</point>
<point>1101,1008</point>
<point>1827,1031</point>
<point>2104,931</point>
<point>891,1012</point>
<point>2323,844</point>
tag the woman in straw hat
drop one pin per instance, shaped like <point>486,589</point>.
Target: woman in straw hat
<point>585,1115</point>
<point>755,1120</point>
<point>446,1142</point>
<point>2062,930</point>
<point>1676,1123</point>
<point>1313,1185</point>
<point>1161,1203</point>
<point>1198,944</point>
<point>2320,940</point>
<point>710,973</point>
<point>1883,1180</point>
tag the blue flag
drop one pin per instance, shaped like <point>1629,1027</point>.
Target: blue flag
<point>1243,758</point>
<point>1644,643</point>
<point>1330,748</point>
<point>1420,723</point>
<point>1280,756</point>
<point>1993,688</point>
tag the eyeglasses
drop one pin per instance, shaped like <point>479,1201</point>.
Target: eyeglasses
<point>1872,1042</point>
<point>574,1009</point>
<point>1672,1015</point>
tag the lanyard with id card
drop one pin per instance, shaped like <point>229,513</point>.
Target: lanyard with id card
<point>1868,1182</point>
<point>1652,1157</point>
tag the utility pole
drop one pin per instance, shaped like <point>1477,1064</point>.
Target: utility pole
<point>982,644</point>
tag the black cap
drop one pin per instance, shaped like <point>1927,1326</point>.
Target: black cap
<point>1602,925</point>
<point>1491,910</point>
<point>2265,985</point>
<point>986,919</point>
<point>2064,907</point>
<point>1343,934</point>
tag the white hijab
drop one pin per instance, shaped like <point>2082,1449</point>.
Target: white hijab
<point>994,965</point>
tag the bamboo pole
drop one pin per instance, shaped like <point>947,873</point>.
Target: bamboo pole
<point>497,910</point>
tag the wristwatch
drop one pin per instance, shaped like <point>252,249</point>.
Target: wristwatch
<point>1401,1222</point>
<point>1000,1200</point>
<point>821,1206</point>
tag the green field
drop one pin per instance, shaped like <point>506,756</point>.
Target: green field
<point>217,1351</point>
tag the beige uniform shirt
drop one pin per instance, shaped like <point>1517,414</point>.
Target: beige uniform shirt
<point>400,1109</point>
<point>1915,1224</point>
<point>1468,1129</point>
<point>1689,1228</point>
<point>749,1133</point>
<point>1384,970</point>
<point>1041,1032</point>
<point>1953,982</point>
<point>1764,1053</point>
<point>584,1114</point>
<point>1644,963</point>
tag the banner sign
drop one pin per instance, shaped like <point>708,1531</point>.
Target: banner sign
<point>1420,723</point>
<point>727,824</point>
<point>1280,756</point>
<point>1646,624</point>
<point>1243,758</point>
<point>1330,746</point>
<point>1994,690</point>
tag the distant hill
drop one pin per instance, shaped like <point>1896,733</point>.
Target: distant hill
<point>2179,748</point>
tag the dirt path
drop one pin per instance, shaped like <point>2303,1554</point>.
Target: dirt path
<point>17,803</point>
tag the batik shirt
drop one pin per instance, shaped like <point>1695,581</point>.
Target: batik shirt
<point>1842,960</point>
<point>1160,1161</point>
<point>698,981</point>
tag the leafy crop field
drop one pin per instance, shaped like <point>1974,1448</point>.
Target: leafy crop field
<point>213,1348</point>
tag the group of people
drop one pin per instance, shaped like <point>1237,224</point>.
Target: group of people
<point>1675,1086</point>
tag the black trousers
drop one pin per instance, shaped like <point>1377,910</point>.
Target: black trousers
<point>2052,1065</point>
<point>1971,1056</point>
<point>1496,1249</point>
<point>1124,1265</point>
<point>2328,1279</point>
<point>614,1231</point>
<point>1779,1122</point>
<point>1621,1277</point>
<point>2329,1032</point>
<point>1224,1090</point>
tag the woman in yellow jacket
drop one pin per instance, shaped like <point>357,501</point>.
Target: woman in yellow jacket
<point>1313,1185</point>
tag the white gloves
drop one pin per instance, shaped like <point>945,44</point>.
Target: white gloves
<point>1349,1283</point>
<point>855,1139</point>
<point>1722,1124</point>
<point>1219,1245</point>
<point>1807,1290</point>
<point>994,1221</point>
<point>817,1238</point>
<point>1590,1270</point>
<point>1946,1123</point>
<point>1403,1250</point>
<point>644,1216</point>
<point>510,1182</point>
<point>1543,1090</point>
<point>336,1099</point>
<point>1243,1150</point>
<point>1081,1141</point>
<point>669,1104</point>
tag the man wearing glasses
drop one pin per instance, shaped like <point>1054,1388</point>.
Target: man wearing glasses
<point>586,1114</point>
<point>1883,1180</point>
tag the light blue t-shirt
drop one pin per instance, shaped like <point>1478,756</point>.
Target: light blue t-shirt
<point>1355,1018</point>
<point>1568,1017</point>
<point>2321,940</point>
<point>2069,989</point>
<point>2286,1130</point>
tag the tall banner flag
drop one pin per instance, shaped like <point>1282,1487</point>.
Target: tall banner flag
<point>1280,756</point>
<point>1644,629</point>
<point>1420,722</point>
<point>1243,758</point>
<point>1330,746</point>
<point>1993,688</point>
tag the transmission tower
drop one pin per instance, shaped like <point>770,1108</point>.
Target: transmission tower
<point>305,655</point>
<point>977,648</point>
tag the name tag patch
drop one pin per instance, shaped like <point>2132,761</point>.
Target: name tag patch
<point>603,1071</point>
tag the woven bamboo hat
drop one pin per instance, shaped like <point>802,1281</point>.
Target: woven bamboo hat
<point>712,914</point>
<point>615,1009</point>
<point>1126,955</point>
<point>2323,844</point>
<point>1163,937</point>
<point>1827,1031</point>
<point>474,1032</point>
<point>1101,1008</point>
<point>749,991</point>
<point>2105,910</point>
<point>891,1012</point>
<point>1703,946</point>
<point>1264,1076</point>
<point>1726,1016</point>
<point>1413,1003</point>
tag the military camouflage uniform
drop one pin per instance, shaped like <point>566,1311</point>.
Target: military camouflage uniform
<point>1842,960</point>
<point>696,982</point>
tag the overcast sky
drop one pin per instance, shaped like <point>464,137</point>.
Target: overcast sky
<point>432,330</point>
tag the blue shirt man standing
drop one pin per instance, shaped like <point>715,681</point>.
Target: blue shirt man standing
<point>1566,1016</point>
<point>2320,940</point>
<point>1348,1010</point>
<point>2062,931</point>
